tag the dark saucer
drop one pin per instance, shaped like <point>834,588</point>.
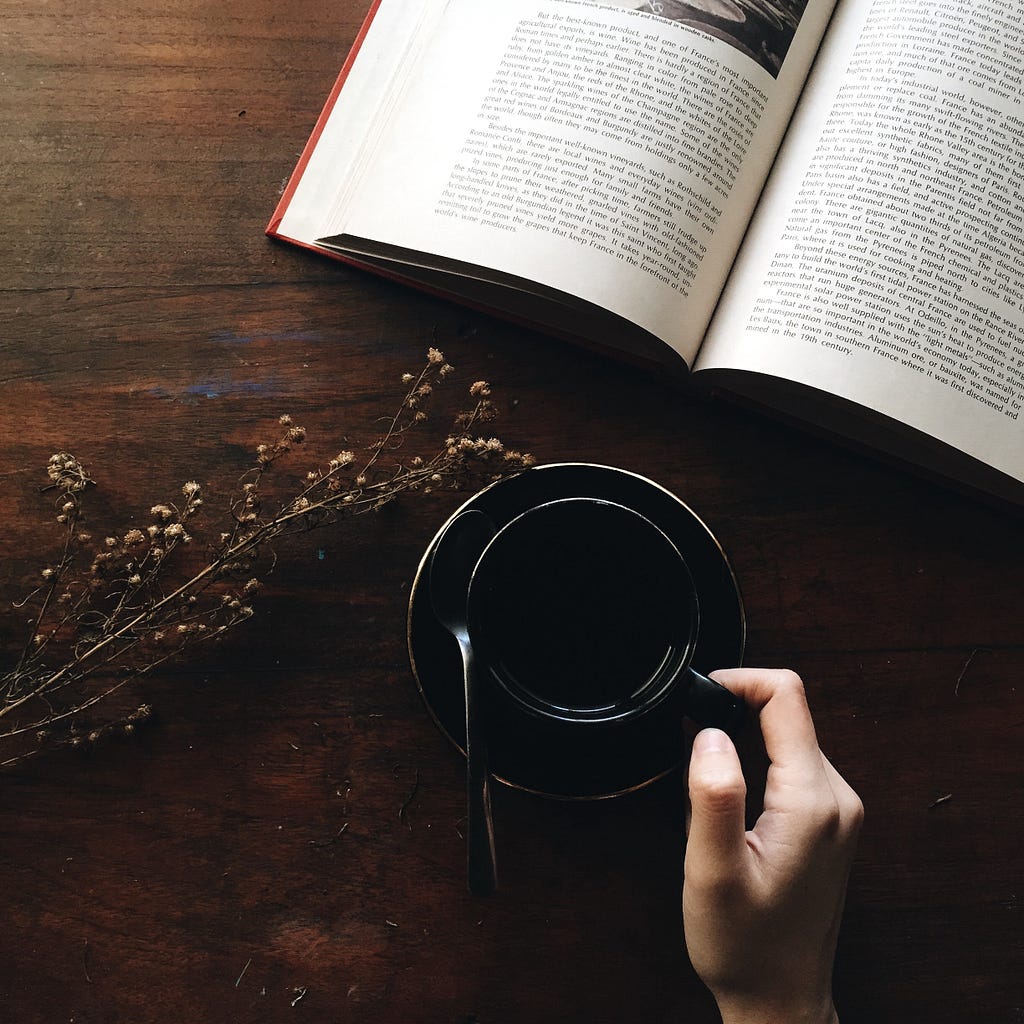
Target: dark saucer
<point>554,758</point>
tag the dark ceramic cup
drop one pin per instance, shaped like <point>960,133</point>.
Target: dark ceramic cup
<point>582,611</point>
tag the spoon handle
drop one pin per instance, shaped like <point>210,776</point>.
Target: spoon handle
<point>481,867</point>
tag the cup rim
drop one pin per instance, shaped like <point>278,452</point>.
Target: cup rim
<point>648,694</point>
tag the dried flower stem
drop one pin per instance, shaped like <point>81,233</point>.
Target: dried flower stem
<point>124,612</point>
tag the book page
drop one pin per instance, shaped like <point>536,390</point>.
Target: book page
<point>601,150</point>
<point>886,262</point>
<point>343,137</point>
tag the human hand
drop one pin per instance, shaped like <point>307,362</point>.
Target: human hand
<point>761,909</point>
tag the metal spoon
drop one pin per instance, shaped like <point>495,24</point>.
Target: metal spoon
<point>456,553</point>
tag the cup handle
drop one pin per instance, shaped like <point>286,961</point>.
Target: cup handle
<point>711,705</point>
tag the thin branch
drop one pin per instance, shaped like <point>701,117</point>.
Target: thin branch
<point>117,612</point>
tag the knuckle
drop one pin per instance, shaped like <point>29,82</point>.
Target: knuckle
<point>787,681</point>
<point>853,812</point>
<point>717,790</point>
<point>827,820</point>
<point>835,820</point>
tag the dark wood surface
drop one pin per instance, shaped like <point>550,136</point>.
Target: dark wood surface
<point>282,842</point>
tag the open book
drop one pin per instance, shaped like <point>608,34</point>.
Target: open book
<point>816,205</point>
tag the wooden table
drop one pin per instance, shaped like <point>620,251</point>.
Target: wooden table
<point>281,841</point>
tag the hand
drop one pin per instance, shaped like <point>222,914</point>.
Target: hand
<point>761,909</point>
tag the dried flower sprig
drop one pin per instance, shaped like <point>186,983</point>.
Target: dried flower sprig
<point>106,613</point>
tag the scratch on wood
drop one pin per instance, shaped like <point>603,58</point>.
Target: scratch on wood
<point>333,839</point>
<point>238,980</point>
<point>967,665</point>
<point>409,799</point>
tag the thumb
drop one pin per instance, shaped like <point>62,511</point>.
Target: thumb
<point>717,804</point>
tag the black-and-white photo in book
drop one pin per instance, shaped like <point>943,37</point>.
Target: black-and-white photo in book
<point>815,206</point>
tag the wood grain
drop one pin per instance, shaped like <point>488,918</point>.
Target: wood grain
<point>283,841</point>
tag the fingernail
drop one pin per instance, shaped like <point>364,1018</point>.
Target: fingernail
<point>711,741</point>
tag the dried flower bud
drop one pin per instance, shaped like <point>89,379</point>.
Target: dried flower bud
<point>67,472</point>
<point>125,569</point>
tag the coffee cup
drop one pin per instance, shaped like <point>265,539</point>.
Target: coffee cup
<point>582,611</point>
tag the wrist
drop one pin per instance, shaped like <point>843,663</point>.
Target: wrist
<point>756,1011</point>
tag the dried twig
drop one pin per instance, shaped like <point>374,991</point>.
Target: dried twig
<point>105,614</point>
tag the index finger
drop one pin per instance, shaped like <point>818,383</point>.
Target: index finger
<point>778,698</point>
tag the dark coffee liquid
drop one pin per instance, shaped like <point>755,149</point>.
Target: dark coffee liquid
<point>585,605</point>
